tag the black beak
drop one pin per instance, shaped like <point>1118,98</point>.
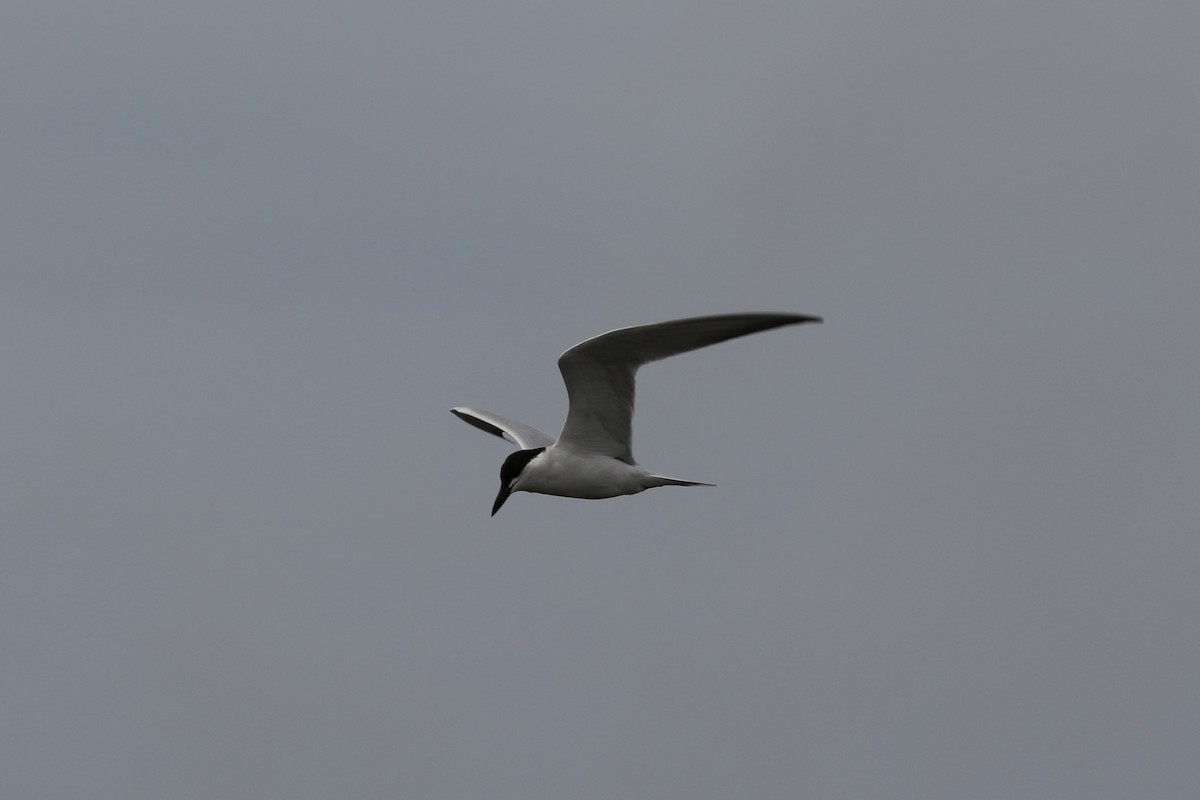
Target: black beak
<point>500,498</point>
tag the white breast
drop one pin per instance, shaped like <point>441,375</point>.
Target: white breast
<point>561,472</point>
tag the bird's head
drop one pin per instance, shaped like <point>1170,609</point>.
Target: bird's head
<point>510,474</point>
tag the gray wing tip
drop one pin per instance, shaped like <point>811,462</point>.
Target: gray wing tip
<point>793,317</point>
<point>767,320</point>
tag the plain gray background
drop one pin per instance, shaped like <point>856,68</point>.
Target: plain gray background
<point>252,253</point>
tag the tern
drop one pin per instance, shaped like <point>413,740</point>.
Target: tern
<point>592,457</point>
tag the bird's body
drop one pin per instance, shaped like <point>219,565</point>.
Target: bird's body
<point>592,457</point>
<point>591,476</point>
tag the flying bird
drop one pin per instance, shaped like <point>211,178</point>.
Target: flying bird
<point>593,457</point>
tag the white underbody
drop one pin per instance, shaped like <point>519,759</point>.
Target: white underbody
<point>566,473</point>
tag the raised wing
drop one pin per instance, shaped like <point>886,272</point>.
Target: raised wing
<point>599,373</point>
<point>524,436</point>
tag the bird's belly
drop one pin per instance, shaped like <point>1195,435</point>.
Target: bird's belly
<point>586,477</point>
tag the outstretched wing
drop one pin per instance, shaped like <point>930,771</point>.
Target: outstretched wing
<point>523,436</point>
<point>599,373</point>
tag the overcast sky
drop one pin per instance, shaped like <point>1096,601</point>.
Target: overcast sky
<point>252,252</point>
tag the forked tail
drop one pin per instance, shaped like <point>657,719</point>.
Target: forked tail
<point>663,480</point>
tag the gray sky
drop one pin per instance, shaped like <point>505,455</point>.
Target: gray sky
<point>252,253</point>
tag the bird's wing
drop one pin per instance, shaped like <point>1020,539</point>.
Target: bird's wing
<point>599,373</point>
<point>524,436</point>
